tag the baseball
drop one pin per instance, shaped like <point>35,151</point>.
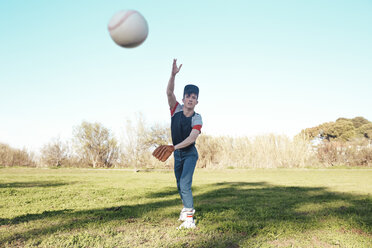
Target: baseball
<point>128,28</point>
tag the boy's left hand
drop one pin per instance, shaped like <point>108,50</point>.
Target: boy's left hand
<point>163,152</point>
<point>175,69</point>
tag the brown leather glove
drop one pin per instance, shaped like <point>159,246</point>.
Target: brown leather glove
<point>163,152</point>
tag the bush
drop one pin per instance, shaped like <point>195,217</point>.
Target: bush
<point>139,142</point>
<point>15,157</point>
<point>329,153</point>
<point>210,150</point>
<point>266,151</point>
<point>96,145</point>
<point>55,153</point>
<point>357,152</point>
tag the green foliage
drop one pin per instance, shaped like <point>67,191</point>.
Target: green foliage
<point>234,208</point>
<point>365,131</point>
<point>311,133</point>
<point>359,121</point>
<point>343,129</point>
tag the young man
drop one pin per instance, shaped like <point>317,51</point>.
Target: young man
<point>185,128</point>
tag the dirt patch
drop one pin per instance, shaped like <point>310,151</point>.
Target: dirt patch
<point>314,242</point>
<point>283,243</point>
<point>318,243</point>
<point>355,231</point>
<point>131,220</point>
<point>121,229</point>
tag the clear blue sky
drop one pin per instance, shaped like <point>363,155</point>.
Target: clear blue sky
<point>262,66</point>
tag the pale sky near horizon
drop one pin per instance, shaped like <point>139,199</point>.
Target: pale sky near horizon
<point>262,66</point>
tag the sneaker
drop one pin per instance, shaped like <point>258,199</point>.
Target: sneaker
<point>183,214</point>
<point>189,223</point>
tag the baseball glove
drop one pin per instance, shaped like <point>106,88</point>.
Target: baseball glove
<point>163,152</point>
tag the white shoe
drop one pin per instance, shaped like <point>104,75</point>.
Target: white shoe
<point>189,223</point>
<point>183,214</point>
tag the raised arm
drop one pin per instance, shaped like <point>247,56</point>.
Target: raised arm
<point>170,89</point>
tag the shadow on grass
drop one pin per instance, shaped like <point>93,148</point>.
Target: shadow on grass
<point>168,191</point>
<point>43,184</point>
<point>238,211</point>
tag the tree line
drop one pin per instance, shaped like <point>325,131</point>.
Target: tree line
<point>344,142</point>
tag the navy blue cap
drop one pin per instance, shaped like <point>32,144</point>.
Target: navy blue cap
<point>190,88</point>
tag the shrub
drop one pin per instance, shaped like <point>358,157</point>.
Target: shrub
<point>357,152</point>
<point>266,151</point>
<point>96,145</point>
<point>15,157</point>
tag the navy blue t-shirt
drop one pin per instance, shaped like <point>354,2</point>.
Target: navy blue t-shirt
<point>181,125</point>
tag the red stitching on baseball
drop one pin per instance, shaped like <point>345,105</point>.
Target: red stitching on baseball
<point>129,13</point>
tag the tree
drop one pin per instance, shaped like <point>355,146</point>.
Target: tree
<point>212,149</point>
<point>160,135</point>
<point>14,157</point>
<point>311,133</point>
<point>365,130</point>
<point>96,145</point>
<point>55,153</point>
<point>140,139</point>
<point>359,121</point>
<point>341,130</point>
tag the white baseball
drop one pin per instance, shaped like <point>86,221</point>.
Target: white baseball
<point>128,28</point>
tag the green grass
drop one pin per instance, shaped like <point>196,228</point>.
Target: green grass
<point>234,208</point>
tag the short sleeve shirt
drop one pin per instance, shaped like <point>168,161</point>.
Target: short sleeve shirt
<point>181,126</point>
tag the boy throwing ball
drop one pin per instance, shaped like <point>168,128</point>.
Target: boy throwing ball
<point>185,128</point>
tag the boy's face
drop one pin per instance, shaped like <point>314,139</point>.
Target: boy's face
<point>190,100</point>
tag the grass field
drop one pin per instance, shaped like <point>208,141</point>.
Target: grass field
<point>234,208</point>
